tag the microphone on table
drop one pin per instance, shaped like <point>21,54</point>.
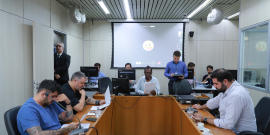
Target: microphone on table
<point>190,108</point>
<point>76,131</point>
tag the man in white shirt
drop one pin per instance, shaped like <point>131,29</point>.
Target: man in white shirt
<point>148,78</point>
<point>234,102</point>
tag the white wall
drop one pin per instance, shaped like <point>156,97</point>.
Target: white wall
<point>215,45</point>
<point>16,46</point>
<point>253,12</point>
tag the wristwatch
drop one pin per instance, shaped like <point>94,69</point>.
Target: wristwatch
<point>69,103</point>
<point>205,120</point>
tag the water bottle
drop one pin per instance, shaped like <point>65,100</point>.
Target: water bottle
<point>98,112</point>
<point>194,82</point>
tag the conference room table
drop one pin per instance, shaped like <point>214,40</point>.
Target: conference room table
<point>145,115</point>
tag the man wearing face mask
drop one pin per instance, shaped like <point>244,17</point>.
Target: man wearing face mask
<point>207,78</point>
<point>235,104</point>
<point>148,78</point>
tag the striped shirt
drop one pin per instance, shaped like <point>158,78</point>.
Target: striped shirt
<point>236,109</point>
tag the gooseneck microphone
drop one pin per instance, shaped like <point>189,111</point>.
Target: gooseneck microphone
<point>76,131</point>
<point>190,108</point>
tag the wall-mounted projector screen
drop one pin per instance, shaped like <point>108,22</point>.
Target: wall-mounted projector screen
<point>143,44</point>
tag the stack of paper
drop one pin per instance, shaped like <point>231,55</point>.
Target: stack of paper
<point>84,125</point>
<point>91,113</point>
<point>148,87</point>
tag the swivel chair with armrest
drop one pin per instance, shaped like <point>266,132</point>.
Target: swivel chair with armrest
<point>103,84</point>
<point>262,113</point>
<point>10,118</point>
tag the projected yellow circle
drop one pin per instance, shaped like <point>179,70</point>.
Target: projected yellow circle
<point>148,45</point>
<point>261,46</point>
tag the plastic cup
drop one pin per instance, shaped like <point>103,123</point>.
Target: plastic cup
<point>215,131</point>
<point>190,113</point>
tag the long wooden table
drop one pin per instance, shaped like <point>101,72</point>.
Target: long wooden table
<point>148,115</point>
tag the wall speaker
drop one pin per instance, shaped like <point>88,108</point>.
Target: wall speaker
<point>191,33</point>
<point>75,15</point>
<point>215,16</point>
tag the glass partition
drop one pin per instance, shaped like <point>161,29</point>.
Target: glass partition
<point>254,57</point>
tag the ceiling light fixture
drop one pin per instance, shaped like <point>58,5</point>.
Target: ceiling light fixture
<point>102,5</point>
<point>127,9</point>
<point>234,15</point>
<point>199,8</point>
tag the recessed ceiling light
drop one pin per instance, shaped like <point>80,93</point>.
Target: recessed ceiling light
<point>199,8</point>
<point>102,5</point>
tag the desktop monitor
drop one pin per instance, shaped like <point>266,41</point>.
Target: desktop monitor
<point>234,73</point>
<point>120,85</point>
<point>90,71</point>
<point>190,74</point>
<point>130,74</point>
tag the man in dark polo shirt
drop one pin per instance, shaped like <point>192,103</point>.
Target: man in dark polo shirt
<point>207,78</point>
<point>73,90</point>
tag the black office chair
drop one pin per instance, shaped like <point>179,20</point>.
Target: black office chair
<point>182,87</point>
<point>262,113</point>
<point>10,118</point>
<point>103,84</point>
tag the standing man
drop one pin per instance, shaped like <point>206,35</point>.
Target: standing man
<point>75,93</point>
<point>235,104</point>
<point>40,115</point>
<point>207,78</point>
<point>100,74</point>
<point>175,67</point>
<point>61,65</point>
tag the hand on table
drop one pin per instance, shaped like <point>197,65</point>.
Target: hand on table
<point>197,106</point>
<point>153,92</point>
<point>102,102</point>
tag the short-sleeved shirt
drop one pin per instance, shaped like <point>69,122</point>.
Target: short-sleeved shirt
<point>31,114</point>
<point>74,97</point>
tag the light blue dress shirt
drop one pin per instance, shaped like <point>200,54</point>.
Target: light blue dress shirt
<point>140,85</point>
<point>95,79</point>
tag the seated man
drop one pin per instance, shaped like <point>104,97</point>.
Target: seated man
<point>100,74</point>
<point>40,115</point>
<point>207,78</point>
<point>148,78</point>
<point>234,102</point>
<point>128,66</point>
<point>191,65</point>
<point>75,93</point>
